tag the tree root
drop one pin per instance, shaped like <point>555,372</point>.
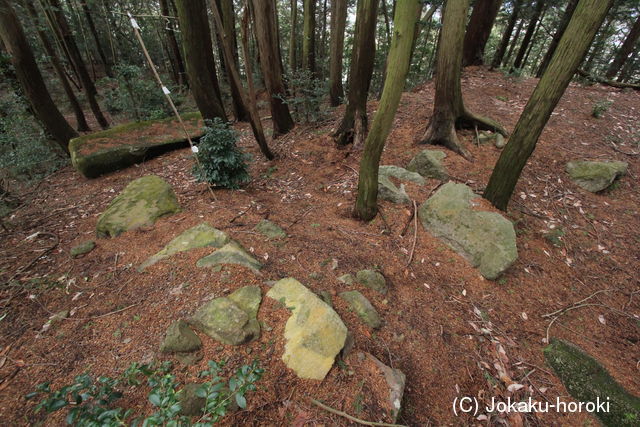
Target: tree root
<point>471,120</point>
<point>448,139</point>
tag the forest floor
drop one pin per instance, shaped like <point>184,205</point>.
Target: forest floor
<point>434,306</point>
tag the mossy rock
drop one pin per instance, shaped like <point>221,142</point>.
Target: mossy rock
<point>372,280</point>
<point>82,248</point>
<point>347,279</point>
<point>587,381</point>
<point>363,308</point>
<point>121,146</point>
<point>401,173</point>
<point>387,190</point>
<point>595,176</point>
<point>140,204</point>
<point>231,253</point>
<point>270,230</point>
<point>428,163</point>
<point>180,339</point>
<point>486,239</point>
<point>200,236</point>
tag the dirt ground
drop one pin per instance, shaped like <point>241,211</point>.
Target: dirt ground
<point>450,331</point>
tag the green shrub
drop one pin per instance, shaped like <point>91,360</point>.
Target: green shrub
<point>221,162</point>
<point>307,94</point>
<point>132,91</point>
<point>600,107</point>
<point>94,402</point>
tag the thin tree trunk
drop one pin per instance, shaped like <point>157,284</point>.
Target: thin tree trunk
<point>57,16</point>
<point>322,51</point>
<point>399,58</point>
<point>198,48</point>
<point>94,33</point>
<point>338,24</point>
<point>566,17</point>
<point>517,63</point>
<point>532,43</point>
<point>174,48</point>
<point>514,42</point>
<point>582,28</point>
<point>418,27</point>
<point>309,37</point>
<point>57,65</point>
<point>449,111</point>
<point>601,40</point>
<point>293,37</point>
<point>30,79</point>
<point>353,127</point>
<point>506,36</point>
<point>625,50</point>
<point>478,31</point>
<point>267,37</point>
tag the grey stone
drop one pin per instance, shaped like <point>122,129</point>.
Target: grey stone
<point>387,190</point>
<point>231,253</point>
<point>363,308</point>
<point>428,163</point>
<point>372,280</point>
<point>180,338</point>
<point>401,173</point>
<point>82,248</point>
<point>595,176</point>
<point>270,230</point>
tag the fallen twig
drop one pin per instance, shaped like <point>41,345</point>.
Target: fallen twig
<point>415,233</point>
<point>240,214</point>
<point>351,418</point>
<point>103,315</point>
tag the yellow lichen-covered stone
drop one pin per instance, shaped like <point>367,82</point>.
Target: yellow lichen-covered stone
<point>314,332</point>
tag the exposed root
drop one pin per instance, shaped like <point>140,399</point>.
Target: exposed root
<point>471,120</point>
<point>448,139</point>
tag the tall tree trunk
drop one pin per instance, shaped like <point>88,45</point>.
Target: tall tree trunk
<point>405,18</point>
<point>338,24</point>
<point>418,27</point>
<point>309,37</point>
<point>322,50</point>
<point>353,127</point>
<point>506,36</point>
<point>566,17</point>
<point>449,111</point>
<point>30,79</point>
<point>94,33</point>
<point>478,31</point>
<point>267,36</point>
<point>57,65</point>
<point>293,37</point>
<point>176,55</point>
<point>601,40</point>
<point>573,46</point>
<point>534,38</point>
<point>249,104</point>
<point>198,52</point>
<point>625,50</point>
<point>228,19</point>
<point>57,16</point>
<point>517,63</point>
<point>513,43</point>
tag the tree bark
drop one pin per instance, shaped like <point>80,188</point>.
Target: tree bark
<point>566,17</point>
<point>267,36</point>
<point>60,21</point>
<point>353,128</point>
<point>513,43</point>
<point>625,50</point>
<point>174,48</point>
<point>57,65</point>
<point>478,31</point>
<point>517,63</point>
<point>449,111</point>
<point>94,33</point>
<point>506,36</point>
<point>30,79</point>
<point>198,51</point>
<point>309,37</point>
<point>293,37</point>
<point>228,20</point>
<point>573,46</point>
<point>405,18</point>
<point>338,24</point>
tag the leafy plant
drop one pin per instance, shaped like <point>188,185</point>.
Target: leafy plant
<point>600,107</point>
<point>220,161</point>
<point>307,93</point>
<point>93,402</point>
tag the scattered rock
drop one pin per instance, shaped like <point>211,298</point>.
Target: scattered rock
<point>401,173</point>
<point>270,230</point>
<point>231,253</point>
<point>587,380</point>
<point>121,146</point>
<point>363,308</point>
<point>141,203</point>
<point>428,163</point>
<point>373,280</point>
<point>200,236</point>
<point>180,339</point>
<point>314,333</point>
<point>595,176</point>
<point>387,190</point>
<point>396,381</point>
<point>347,279</point>
<point>190,404</point>
<point>231,320</point>
<point>500,142</point>
<point>189,359</point>
<point>82,248</point>
<point>486,239</point>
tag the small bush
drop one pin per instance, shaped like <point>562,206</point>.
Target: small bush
<point>93,402</point>
<point>307,94</point>
<point>600,107</point>
<point>221,162</point>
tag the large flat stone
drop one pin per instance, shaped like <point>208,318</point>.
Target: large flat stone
<point>595,176</point>
<point>486,239</point>
<point>314,333</point>
<point>121,146</point>
<point>428,163</point>
<point>231,253</point>
<point>140,204</point>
